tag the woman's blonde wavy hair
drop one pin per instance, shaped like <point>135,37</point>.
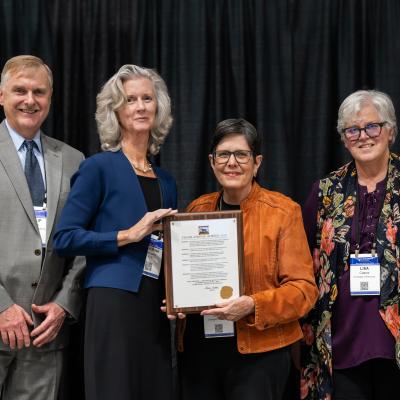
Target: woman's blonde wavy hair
<point>112,97</point>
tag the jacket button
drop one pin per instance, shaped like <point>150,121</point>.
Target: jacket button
<point>34,284</point>
<point>37,252</point>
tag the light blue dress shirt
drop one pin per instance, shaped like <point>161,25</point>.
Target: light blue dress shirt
<point>18,141</point>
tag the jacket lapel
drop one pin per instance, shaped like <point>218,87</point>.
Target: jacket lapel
<point>12,165</point>
<point>53,167</point>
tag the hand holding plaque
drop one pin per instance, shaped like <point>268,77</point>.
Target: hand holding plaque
<point>232,310</point>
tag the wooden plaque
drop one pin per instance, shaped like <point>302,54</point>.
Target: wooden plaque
<point>203,262</point>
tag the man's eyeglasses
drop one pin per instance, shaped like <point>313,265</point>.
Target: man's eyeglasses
<point>372,130</point>
<point>241,156</point>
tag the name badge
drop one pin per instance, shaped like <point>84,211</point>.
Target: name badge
<point>365,275</point>
<point>152,264</point>
<point>41,219</point>
<point>214,327</point>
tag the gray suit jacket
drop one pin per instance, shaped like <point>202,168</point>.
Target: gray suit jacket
<point>23,278</point>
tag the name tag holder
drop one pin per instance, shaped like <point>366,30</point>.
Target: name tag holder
<point>152,264</point>
<point>41,219</point>
<point>365,273</point>
<point>214,327</point>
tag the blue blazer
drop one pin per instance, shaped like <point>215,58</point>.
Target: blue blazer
<point>106,197</point>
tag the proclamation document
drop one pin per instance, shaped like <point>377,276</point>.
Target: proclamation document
<point>204,254</point>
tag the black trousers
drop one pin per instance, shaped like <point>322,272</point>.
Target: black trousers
<point>215,370</point>
<point>376,379</point>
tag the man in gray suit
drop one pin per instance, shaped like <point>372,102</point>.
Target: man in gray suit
<point>39,291</point>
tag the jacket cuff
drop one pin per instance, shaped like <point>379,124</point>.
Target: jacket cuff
<point>107,242</point>
<point>258,321</point>
<point>5,299</point>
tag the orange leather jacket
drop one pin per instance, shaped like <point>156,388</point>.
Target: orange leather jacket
<point>278,271</point>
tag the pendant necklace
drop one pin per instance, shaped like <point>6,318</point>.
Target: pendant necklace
<point>145,170</point>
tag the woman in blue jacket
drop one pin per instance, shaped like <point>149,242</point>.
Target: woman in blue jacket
<point>112,216</point>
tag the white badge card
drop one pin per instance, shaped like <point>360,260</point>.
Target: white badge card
<point>365,275</point>
<point>214,327</point>
<point>41,219</point>
<point>152,265</point>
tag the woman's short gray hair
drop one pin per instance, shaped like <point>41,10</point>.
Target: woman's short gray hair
<point>355,102</point>
<point>112,97</point>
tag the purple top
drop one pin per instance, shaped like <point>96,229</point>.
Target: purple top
<point>358,331</point>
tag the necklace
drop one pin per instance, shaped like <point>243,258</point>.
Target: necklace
<point>144,169</point>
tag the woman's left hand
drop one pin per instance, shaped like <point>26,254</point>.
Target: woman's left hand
<point>232,310</point>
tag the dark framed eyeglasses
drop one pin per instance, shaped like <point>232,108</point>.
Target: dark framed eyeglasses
<point>241,156</point>
<point>372,130</point>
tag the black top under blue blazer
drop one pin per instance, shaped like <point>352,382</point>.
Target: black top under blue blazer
<point>106,197</point>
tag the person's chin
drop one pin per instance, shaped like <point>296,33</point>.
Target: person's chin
<point>29,119</point>
<point>30,127</point>
<point>29,122</point>
<point>142,127</point>
<point>367,157</point>
<point>230,184</point>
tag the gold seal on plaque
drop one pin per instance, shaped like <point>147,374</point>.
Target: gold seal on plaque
<point>226,292</point>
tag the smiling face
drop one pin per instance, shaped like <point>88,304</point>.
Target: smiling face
<point>26,97</point>
<point>236,179</point>
<point>138,114</point>
<point>368,150</point>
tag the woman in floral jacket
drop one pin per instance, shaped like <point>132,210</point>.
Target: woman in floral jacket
<point>352,339</point>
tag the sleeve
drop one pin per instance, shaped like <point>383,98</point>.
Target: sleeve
<point>5,299</point>
<point>297,291</point>
<point>73,237</point>
<point>69,297</point>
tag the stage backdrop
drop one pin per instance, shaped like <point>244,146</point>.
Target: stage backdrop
<point>285,65</point>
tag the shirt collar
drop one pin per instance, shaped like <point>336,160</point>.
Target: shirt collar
<point>18,140</point>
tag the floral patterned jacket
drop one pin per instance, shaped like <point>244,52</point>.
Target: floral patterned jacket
<point>336,198</point>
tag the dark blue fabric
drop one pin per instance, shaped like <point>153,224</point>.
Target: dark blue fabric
<point>105,198</point>
<point>33,174</point>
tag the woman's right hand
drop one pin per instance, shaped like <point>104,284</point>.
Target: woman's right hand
<point>144,227</point>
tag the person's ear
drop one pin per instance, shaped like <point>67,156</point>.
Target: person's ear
<point>391,135</point>
<point>257,163</point>
<point>211,159</point>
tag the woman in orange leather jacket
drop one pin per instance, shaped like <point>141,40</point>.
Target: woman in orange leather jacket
<point>252,358</point>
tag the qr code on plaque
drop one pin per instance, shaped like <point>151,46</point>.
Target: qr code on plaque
<point>218,328</point>
<point>364,285</point>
